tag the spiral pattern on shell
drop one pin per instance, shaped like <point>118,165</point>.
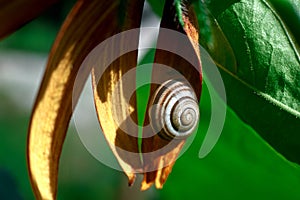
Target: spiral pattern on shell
<point>174,111</point>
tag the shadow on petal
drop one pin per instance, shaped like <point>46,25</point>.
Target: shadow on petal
<point>116,108</point>
<point>158,162</point>
<point>88,24</point>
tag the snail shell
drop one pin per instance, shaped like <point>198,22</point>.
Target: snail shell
<point>174,110</point>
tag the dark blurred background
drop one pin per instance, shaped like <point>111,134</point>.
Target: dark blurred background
<point>241,166</point>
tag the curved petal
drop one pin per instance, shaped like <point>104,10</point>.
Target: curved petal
<point>88,24</point>
<point>14,14</point>
<point>159,155</point>
<point>115,105</point>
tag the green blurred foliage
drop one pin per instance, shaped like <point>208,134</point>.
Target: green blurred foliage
<point>39,34</point>
<point>14,182</point>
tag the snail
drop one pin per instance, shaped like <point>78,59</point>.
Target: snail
<point>174,110</point>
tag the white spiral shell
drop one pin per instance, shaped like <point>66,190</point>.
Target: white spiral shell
<point>174,111</point>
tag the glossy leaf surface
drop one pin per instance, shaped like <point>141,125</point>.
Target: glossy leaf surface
<point>264,87</point>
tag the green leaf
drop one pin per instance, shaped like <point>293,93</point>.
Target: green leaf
<point>263,89</point>
<point>157,6</point>
<point>289,12</point>
<point>241,165</point>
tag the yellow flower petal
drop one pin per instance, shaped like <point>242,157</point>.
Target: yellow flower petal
<point>159,164</point>
<point>88,24</point>
<point>114,110</point>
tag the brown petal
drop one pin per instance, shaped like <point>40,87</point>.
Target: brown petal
<point>14,14</point>
<point>115,107</point>
<point>88,24</point>
<point>160,163</point>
